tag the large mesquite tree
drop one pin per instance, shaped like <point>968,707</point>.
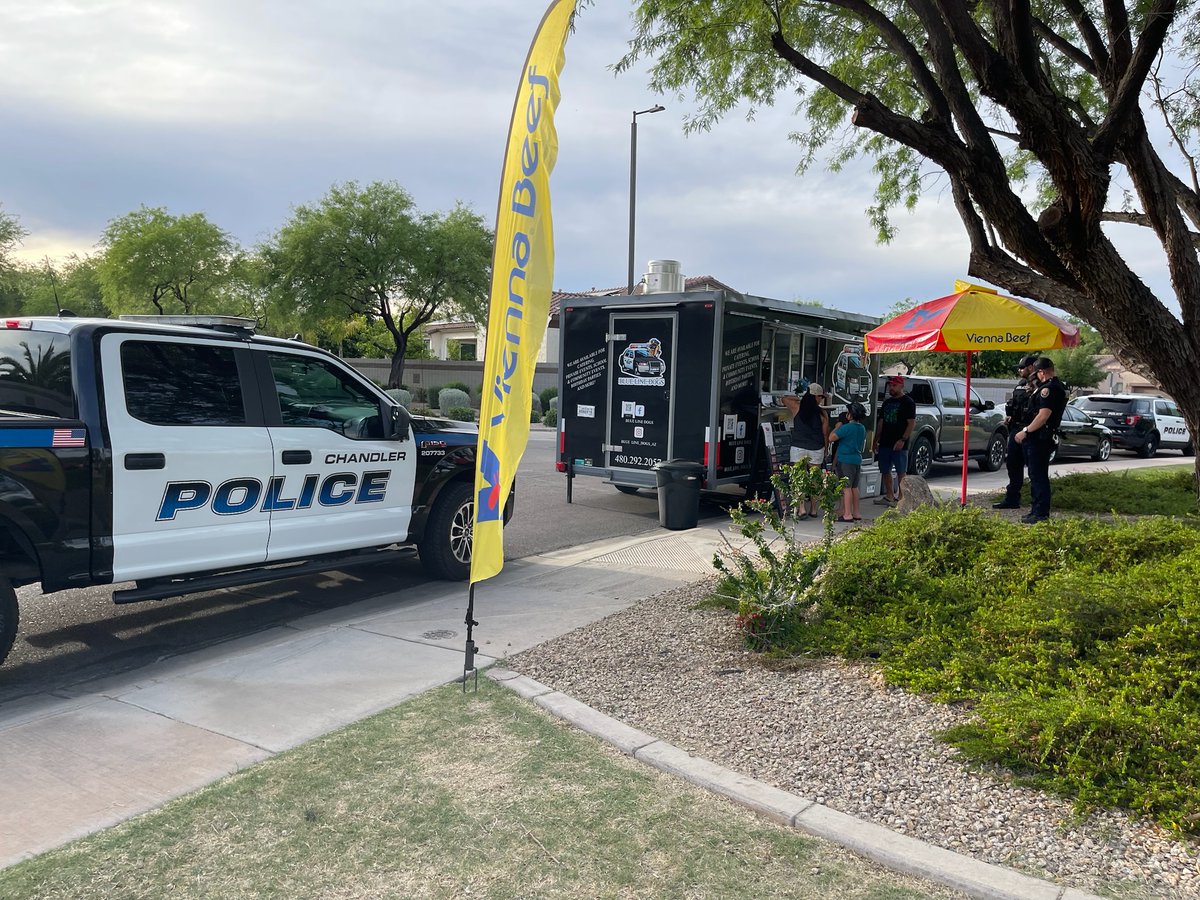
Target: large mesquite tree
<point>1037,113</point>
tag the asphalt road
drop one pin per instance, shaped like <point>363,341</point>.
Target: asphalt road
<point>76,635</point>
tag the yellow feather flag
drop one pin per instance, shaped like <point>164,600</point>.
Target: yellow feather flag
<point>522,275</point>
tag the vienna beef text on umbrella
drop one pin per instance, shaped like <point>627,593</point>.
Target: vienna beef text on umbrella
<point>971,319</point>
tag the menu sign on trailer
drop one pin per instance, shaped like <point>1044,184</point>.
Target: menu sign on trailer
<point>741,368</point>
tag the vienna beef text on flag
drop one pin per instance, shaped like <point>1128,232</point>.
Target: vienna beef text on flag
<point>522,274</point>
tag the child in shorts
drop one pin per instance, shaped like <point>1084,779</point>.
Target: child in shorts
<point>849,438</point>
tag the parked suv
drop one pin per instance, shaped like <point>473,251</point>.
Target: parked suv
<point>938,432</point>
<point>1140,423</point>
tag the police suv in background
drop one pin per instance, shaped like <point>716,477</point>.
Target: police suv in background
<point>187,453</point>
<point>1140,423</point>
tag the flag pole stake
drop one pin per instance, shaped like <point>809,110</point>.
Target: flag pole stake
<point>470,650</point>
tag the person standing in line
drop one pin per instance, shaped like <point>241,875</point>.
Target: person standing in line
<point>848,439</point>
<point>897,417</point>
<point>1039,436</point>
<point>1016,417</point>
<point>810,434</point>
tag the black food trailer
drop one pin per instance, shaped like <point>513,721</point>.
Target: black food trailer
<point>698,376</point>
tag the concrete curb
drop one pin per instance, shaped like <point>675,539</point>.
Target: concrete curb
<point>895,851</point>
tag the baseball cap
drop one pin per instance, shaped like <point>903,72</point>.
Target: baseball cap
<point>816,390</point>
<point>895,379</point>
<point>1027,360</point>
<point>1044,363</point>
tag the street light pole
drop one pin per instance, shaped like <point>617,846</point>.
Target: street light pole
<point>633,180</point>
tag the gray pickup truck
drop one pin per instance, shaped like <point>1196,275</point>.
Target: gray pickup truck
<point>938,434</point>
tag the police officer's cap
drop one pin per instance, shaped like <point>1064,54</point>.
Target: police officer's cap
<point>1044,363</point>
<point>1027,360</point>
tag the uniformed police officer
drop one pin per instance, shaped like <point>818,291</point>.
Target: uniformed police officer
<point>1016,417</point>
<point>1038,437</point>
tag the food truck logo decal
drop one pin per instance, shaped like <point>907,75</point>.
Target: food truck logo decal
<point>643,363</point>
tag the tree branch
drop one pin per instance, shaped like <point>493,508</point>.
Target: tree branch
<point>1123,104</point>
<point>903,47</point>
<point>1092,39</point>
<point>1065,47</point>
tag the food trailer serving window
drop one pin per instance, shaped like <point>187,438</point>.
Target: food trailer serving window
<point>791,358</point>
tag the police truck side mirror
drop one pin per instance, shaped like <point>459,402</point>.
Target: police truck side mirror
<point>399,422</point>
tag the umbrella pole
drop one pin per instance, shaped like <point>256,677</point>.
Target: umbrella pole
<point>966,432</point>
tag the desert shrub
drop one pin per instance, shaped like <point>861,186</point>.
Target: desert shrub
<point>535,405</point>
<point>404,397</point>
<point>419,395</point>
<point>461,414</point>
<point>1077,642</point>
<point>458,386</point>
<point>550,417</point>
<point>553,404</point>
<point>449,398</point>
<point>547,395</point>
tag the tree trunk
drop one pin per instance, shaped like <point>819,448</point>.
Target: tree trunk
<point>397,372</point>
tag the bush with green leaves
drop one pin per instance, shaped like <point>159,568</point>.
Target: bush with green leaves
<point>550,417</point>
<point>775,583</point>
<point>1077,642</point>
<point>401,396</point>
<point>547,395</point>
<point>535,406</point>
<point>450,397</point>
<point>458,386</point>
<point>461,414</point>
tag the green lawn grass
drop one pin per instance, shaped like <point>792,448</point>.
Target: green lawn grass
<point>1165,491</point>
<point>453,795</point>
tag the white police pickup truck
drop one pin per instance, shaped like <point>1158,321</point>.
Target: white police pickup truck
<point>187,453</point>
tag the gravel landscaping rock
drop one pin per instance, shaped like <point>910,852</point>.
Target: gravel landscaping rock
<point>835,733</point>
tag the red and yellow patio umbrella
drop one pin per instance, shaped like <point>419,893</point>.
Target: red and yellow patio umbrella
<point>971,319</point>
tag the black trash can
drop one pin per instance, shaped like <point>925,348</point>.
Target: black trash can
<point>679,483</point>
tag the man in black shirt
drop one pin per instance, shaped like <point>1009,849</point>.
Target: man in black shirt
<point>1016,416</point>
<point>897,416</point>
<point>1039,436</point>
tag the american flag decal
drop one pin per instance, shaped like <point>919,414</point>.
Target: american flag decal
<point>68,437</point>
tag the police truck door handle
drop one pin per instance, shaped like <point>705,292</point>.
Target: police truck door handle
<point>297,457</point>
<point>135,461</point>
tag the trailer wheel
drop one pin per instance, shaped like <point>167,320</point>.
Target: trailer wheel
<point>9,616</point>
<point>626,488</point>
<point>445,549</point>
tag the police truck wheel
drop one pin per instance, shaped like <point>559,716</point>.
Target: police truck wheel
<point>1149,448</point>
<point>446,547</point>
<point>1190,449</point>
<point>8,617</point>
<point>920,458</point>
<point>1104,451</point>
<point>626,488</point>
<point>996,449</point>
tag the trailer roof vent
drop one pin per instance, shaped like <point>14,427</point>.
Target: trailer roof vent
<point>664,276</point>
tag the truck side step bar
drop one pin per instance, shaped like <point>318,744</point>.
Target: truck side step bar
<point>176,587</point>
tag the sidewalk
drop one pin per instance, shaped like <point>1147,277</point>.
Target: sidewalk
<point>117,747</point>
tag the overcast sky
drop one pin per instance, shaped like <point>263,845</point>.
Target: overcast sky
<point>241,110</point>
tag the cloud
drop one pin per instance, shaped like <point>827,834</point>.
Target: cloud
<point>242,110</point>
